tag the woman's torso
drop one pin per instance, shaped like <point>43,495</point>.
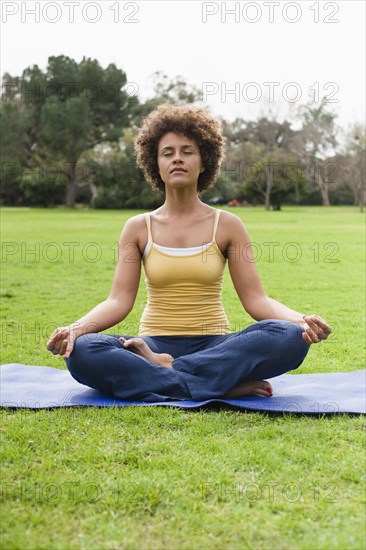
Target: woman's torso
<point>184,267</point>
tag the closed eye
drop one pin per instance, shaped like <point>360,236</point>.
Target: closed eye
<point>168,153</point>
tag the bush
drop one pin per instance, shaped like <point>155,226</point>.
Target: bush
<point>38,190</point>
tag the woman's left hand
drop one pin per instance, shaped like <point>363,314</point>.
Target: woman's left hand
<point>315,329</point>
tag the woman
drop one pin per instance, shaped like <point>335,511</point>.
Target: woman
<point>185,349</point>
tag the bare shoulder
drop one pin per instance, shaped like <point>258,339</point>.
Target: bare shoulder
<point>231,226</point>
<point>135,224</point>
<point>135,231</point>
<point>229,218</point>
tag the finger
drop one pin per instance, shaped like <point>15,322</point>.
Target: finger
<point>55,332</point>
<point>307,338</point>
<point>318,321</point>
<point>56,336</point>
<point>316,328</point>
<point>63,347</point>
<point>55,348</point>
<point>312,335</point>
<point>51,341</point>
<point>312,320</point>
<point>69,348</point>
<point>52,346</point>
<point>322,331</point>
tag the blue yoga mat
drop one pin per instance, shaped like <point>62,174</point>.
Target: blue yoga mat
<point>31,387</point>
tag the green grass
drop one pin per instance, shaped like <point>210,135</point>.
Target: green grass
<point>152,478</point>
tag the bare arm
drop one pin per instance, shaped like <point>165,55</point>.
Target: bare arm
<point>120,300</point>
<point>249,288</point>
<point>124,287</point>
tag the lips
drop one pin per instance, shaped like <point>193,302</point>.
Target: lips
<point>178,170</point>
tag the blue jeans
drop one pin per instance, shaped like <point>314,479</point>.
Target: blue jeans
<point>204,367</point>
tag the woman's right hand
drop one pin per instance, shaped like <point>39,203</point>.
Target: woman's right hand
<point>61,341</point>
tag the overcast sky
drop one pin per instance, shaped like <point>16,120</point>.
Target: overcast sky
<point>268,54</point>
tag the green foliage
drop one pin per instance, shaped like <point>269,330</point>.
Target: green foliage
<point>70,108</point>
<point>76,111</point>
<point>288,180</point>
<point>116,180</point>
<point>13,152</point>
<point>66,127</point>
<point>176,91</point>
<point>43,189</point>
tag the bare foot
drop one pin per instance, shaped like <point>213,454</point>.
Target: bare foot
<point>141,348</point>
<point>258,388</point>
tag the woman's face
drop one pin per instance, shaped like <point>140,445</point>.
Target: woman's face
<point>179,160</point>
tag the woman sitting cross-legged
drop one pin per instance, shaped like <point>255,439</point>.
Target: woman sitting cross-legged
<point>185,348</point>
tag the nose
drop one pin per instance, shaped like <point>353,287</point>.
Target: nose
<point>177,157</point>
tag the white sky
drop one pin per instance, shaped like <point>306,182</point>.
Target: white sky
<point>216,55</point>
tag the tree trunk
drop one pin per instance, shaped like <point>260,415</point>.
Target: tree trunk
<point>71,186</point>
<point>324,188</point>
<point>297,193</point>
<point>362,199</point>
<point>325,193</point>
<point>269,184</point>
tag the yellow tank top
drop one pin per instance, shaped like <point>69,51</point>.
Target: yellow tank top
<point>184,289</point>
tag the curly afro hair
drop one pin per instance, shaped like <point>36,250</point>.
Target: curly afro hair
<point>189,121</point>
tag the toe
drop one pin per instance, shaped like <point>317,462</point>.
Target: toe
<point>266,389</point>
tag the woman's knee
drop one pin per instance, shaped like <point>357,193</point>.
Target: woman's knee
<point>289,330</point>
<point>275,334</point>
<point>84,363</point>
<point>285,343</point>
<point>287,333</point>
<point>84,350</point>
<point>291,345</point>
<point>270,329</point>
<point>83,345</point>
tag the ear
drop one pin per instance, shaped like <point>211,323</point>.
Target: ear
<point>202,169</point>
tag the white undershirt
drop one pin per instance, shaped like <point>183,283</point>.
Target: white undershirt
<point>176,251</point>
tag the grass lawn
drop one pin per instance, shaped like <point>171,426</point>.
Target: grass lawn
<point>153,478</point>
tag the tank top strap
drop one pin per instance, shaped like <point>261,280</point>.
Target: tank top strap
<point>216,221</point>
<point>148,224</point>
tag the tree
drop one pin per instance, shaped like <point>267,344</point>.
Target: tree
<point>352,164</point>
<point>175,91</point>
<point>114,178</point>
<point>263,143</point>
<point>316,138</point>
<point>73,107</point>
<point>287,179</point>
<point>13,151</point>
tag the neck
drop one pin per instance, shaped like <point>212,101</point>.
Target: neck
<point>182,202</point>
